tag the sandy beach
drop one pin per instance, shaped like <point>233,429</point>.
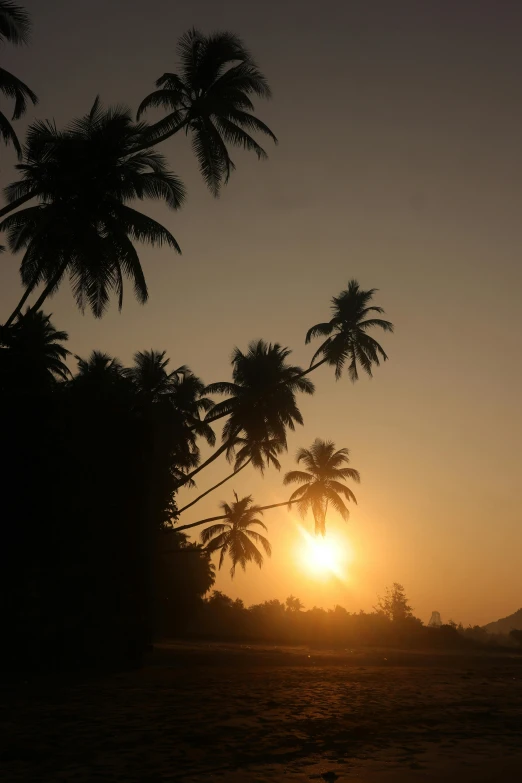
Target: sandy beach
<point>208,712</point>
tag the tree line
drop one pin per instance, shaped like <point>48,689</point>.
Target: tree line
<point>392,623</point>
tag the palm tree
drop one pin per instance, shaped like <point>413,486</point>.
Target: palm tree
<point>210,98</point>
<point>347,333</point>
<point>322,482</point>
<point>84,178</point>
<point>294,604</point>
<point>33,355</point>
<point>15,27</point>
<point>262,399</point>
<point>100,367</point>
<point>175,400</point>
<point>233,536</point>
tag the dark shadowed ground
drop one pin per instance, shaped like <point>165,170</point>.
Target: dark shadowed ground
<point>235,713</point>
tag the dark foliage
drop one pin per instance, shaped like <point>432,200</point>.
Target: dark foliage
<point>15,27</point>
<point>220,617</point>
<point>88,559</point>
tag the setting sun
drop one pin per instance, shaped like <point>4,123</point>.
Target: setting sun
<point>326,556</point>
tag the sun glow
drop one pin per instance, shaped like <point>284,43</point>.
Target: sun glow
<point>326,556</point>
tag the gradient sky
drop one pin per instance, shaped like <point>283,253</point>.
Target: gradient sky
<point>399,163</point>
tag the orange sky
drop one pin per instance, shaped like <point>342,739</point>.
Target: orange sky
<point>399,164</point>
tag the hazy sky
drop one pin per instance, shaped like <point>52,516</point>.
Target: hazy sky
<point>399,163</point>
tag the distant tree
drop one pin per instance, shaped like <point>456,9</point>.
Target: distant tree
<point>15,27</point>
<point>293,604</point>
<point>210,98</point>
<point>322,482</point>
<point>516,635</point>
<point>394,605</point>
<point>347,333</point>
<point>234,536</point>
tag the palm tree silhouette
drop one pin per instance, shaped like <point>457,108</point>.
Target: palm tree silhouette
<point>347,333</point>
<point>234,537</point>
<point>33,355</point>
<point>84,178</point>
<point>322,482</point>
<point>15,27</point>
<point>211,99</point>
<point>261,402</point>
<point>178,398</point>
<point>100,367</point>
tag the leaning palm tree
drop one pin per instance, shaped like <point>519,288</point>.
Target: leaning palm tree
<point>15,27</point>
<point>322,482</point>
<point>32,354</point>
<point>261,402</point>
<point>84,178</point>
<point>210,98</point>
<point>244,452</point>
<point>234,537</point>
<point>347,333</point>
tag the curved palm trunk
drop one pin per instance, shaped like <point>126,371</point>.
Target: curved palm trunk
<point>20,304</point>
<point>16,203</point>
<point>214,456</point>
<point>49,287</point>
<point>223,516</point>
<point>234,473</point>
<point>161,138</point>
<point>309,370</point>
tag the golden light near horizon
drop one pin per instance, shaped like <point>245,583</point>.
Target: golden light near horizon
<point>326,557</point>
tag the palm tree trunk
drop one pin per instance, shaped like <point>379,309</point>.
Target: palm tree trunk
<point>215,455</point>
<point>234,473</point>
<point>223,516</point>
<point>49,287</point>
<point>16,203</point>
<point>165,136</point>
<point>20,304</point>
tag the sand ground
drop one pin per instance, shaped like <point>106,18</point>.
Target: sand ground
<point>236,714</point>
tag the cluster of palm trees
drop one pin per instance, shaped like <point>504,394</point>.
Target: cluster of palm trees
<point>72,213</point>
<point>260,405</point>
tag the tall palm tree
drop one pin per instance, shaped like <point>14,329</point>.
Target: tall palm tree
<point>322,482</point>
<point>234,537</point>
<point>347,333</point>
<point>261,402</point>
<point>85,178</point>
<point>15,27</point>
<point>32,353</point>
<point>210,98</point>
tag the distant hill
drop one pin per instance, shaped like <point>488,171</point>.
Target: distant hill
<point>506,624</point>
